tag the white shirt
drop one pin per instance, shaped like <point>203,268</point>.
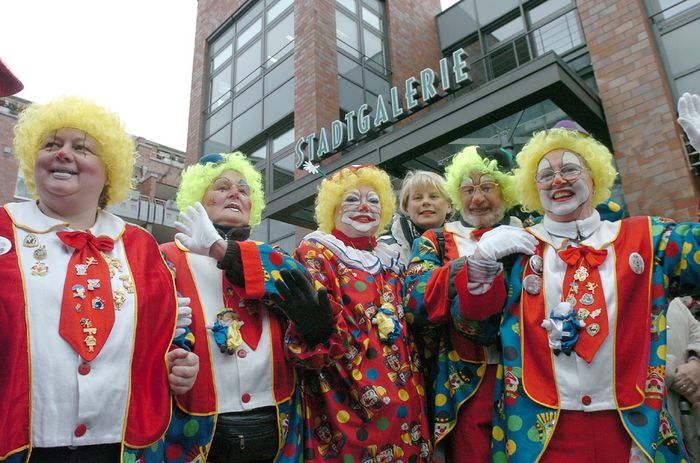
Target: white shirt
<point>62,399</point>
<point>577,379</point>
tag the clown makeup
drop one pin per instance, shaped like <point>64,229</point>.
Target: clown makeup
<point>359,212</point>
<point>565,186</point>
<point>227,201</point>
<point>482,202</point>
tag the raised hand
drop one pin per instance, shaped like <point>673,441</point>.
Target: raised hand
<point>503,241</point>
<point>197,232</point>
<point>689,117</point>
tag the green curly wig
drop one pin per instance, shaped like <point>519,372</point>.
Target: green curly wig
<point>598,160</point>
<point>468,162</point>
<point>331,192</point>
<point>197,178</point>
<point>116,146</point>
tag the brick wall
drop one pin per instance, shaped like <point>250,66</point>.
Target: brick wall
<point>639,109</point>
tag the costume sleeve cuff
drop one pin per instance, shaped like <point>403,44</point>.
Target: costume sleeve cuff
<point>253,276</point>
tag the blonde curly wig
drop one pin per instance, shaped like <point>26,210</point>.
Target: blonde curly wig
<point>468,162</point>
<point>597,157</point>
<point>331,192</point>
<point>116,146</point>
<point>197,178</point>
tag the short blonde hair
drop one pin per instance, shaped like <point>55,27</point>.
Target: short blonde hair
<point>331,192</point>
<point>417,179</point>
<point>468,162</point>
<point>597,157</point>
<point>116,146</point>
<point>197,179</point>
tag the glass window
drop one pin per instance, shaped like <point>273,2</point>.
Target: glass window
<point>276,9</point>
<point>248,65</point>
<point>373,47</point>
<point>220,86</point>
<point>247,125</point>
<point>258,154</point>
<point>376,84</point>
<point>283,172</point>
<point>279,74</point>
<point>279,103</point>
<point>218,119</point>
<point>249,16</point>
<point>223,39</point>
<point>349,4</point>
<point>671,8</point>
<point>283,140</point>
<point>506,31</point>
<point>220,142</point>
<point>346,33</point>
<point>546,9</point>
<point>490,10</point>
<point>248,98</point>
<point>349,69</point>
<point>560,35</point>
<point>222,57</point>
<point>676,43</point>
<point>371,18</point>
<point>247,35</point>
<point>350,96</point>
<point>279,39</point>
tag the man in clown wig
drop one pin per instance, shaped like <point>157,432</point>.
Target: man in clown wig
<point>583,329</point>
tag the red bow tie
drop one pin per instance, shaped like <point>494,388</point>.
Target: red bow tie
<point>593,257</point>
<point>79,239</point>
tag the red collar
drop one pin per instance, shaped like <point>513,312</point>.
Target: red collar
<point>365,243</point>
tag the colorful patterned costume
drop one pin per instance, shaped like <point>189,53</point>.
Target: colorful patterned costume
<point>362,389</point>
<point>648,260</point>
<point>461,363</point>
<point>124,394</point>
<point>225,382</point>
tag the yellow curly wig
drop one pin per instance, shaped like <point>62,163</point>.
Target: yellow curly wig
<point>332,190</point>
<point>598,159</point>
<point>468,162</point>
<point>116,146</point>
<point>197,178</point>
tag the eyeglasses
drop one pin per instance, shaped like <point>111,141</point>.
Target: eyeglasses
<point>485,188</point>
<point>568,172</point>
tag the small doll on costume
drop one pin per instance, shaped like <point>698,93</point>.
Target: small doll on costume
<point>563,328</point>
<point>227,331</point>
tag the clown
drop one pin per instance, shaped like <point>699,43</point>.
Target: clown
<point>352,208</point>
<point>612,274</point>
<point>481,188</point>
<point>228,279</point>
<point>86,374</point>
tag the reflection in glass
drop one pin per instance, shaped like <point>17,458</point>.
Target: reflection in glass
<point>220,142</point>
<point>373,47</point>
<point>281,73</point>
<point>559,35</point>
<point>278,38</point>
<point>258,154</point>
<point>247,125</point>
<point>545,9</point>
<point>346,34</point>
<point>283,172</point>
<point>248,65</point>
<point>279,103</point>
<point>247,98</point>
<point>276,9</point>
<point>371,18</point>
<point>245,36</point>
<point>350,96</point>
<point>220,86</point>
<point>283,140</point>
<point>218,119</point>
<point>223,56</point>
<point>349,4</point>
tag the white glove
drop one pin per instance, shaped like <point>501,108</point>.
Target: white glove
<point>689,117</point>
<point>505,240</point>
<point>197,232</point>
<point>184,315</point>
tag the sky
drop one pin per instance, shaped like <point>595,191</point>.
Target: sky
<point>131,56</point>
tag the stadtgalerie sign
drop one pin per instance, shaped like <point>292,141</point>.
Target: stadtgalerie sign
<point>418,93</point>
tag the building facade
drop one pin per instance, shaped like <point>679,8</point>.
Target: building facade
<point>404,85</point>
<point>156,177</point>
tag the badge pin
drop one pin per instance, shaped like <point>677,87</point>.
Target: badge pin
<point>77,308</point>
<point>40,253</point>
<point>78,291</point>
<point>581,274</point>
<point>5,245</point>
<point>582,314</point>
<point>93,283</point>
<point>596,313</point>
<point>536,264</point>
<point>81,269</point>
<point>39,269</point>
<point>573,287</point>
<point>98,303</point>
<point>590,286</point>
<point>593,329</point>
<point>532,284</point>
<point>636,263</point>
<point>30,241</point>
<point>128,283</point>
<point>90,340</point>
<point>90,261</point>
<point>119,298</point>
<point>586,299</point>
<point>571,300</point>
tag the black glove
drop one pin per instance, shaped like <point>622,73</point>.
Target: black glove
<point>232,264</point>
<point>308,309</point>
